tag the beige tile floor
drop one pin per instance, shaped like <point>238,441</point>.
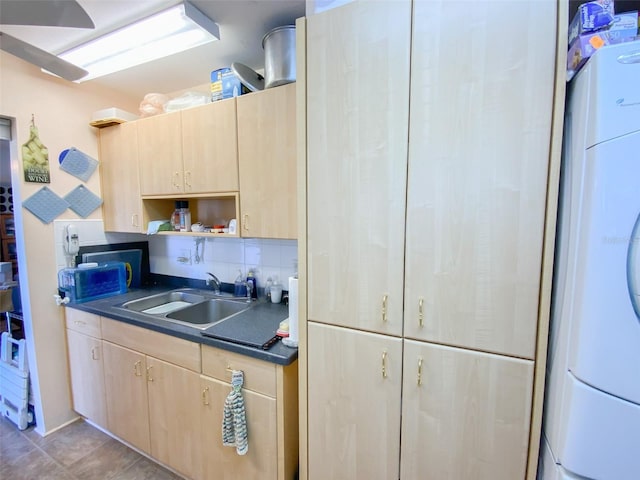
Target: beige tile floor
<point>75,452</point>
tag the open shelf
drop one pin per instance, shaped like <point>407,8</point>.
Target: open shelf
<point>210,209</point>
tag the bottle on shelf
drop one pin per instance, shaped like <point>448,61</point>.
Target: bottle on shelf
<point>175,216</point>
<point>185,217</point>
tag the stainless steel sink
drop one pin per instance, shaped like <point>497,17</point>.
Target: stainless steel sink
<point>211,311</point>
<point>164,303</point>
<point>195,308</point>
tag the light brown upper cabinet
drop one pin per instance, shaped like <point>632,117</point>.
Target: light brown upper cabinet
<point>189,152</point>
<point>122,206</point>
<point>209,148</point>
<point>160,154</point>
<point>479,136</point>
<point>267,163</point>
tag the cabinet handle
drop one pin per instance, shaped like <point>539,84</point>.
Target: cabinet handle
<point>94,355</point>
<point>245,222</point>
<point>79,322</point>
<point>421,312</point>
<point>176,178</point>
<point>137,368</point>
<point>205,396</point>
<point>149,377</point>
<point>384,364</point>
<point>187,179</point>
<point>134,220</point>
<point>419,371</point>
<point>384,307</point>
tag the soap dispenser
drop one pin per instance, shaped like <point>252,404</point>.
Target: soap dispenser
<point>252,284</point>
<point>239,286</point>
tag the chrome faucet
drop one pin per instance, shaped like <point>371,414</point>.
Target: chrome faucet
<point>213,282</point>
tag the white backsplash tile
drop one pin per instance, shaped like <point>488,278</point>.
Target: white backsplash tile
<point>224,257</point>
<point>221,256</point>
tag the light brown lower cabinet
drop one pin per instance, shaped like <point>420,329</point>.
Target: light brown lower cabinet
<point>355,399</point>
<point>224,463</point>
<point>165,396</point>
<point>175,416</point>
<point>127,397</point>
<point>464,414</point>
<point>86,357</point>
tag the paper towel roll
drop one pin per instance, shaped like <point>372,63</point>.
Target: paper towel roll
<point>292,339</point>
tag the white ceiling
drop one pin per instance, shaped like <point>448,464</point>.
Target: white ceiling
<point>242,24</point>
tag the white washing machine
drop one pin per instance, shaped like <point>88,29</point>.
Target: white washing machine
<point>592,399</point>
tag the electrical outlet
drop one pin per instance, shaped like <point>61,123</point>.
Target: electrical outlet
<point>185,256</point>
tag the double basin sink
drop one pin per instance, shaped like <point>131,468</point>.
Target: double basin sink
<point>194,308</point>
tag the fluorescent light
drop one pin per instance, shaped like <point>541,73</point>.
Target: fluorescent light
<point>174,30</point>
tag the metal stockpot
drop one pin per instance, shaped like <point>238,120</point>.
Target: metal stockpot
<point>279,56</point>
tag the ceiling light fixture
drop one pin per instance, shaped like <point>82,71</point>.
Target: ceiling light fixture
<point>170,31</point>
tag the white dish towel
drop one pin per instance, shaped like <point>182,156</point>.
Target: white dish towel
<point>234,422</point>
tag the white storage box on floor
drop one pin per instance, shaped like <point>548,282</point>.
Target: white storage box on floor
<point>14,381</point>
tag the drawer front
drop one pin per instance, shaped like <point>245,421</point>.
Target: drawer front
<point>259,376</point>
<point>83,322</point>
<point>164,347</point>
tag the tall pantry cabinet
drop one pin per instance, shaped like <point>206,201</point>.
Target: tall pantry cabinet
<point>427,156</point>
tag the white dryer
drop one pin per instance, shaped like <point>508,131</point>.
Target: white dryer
<point>592,399</point>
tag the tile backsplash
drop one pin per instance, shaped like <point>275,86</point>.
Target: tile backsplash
<point>193,257</point>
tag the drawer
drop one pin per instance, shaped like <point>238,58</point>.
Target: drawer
<point>259,376</point>
<point>83,322</point>
<point>164,347</point>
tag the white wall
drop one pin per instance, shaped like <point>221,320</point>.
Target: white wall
<point>62,111</point>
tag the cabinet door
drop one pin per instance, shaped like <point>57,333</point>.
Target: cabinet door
<point>267,162</point>
<point>126,388</point>
<point>478,156</point>
<point>174,416</point>
<point>209,148</point>
<point>122,206</point>
<point>87,376</point>
<point>223,463</point>
<point>465,414</point>
<point>354,404</point>
<point>357,117</point>
<point>160,154</point>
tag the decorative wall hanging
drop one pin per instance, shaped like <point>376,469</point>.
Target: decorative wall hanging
<point>35,158</point>
<point>82,201</point>
<point>77,163</point>
<point>45,205</point>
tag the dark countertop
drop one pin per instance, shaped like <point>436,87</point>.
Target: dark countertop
<point>265,315</point>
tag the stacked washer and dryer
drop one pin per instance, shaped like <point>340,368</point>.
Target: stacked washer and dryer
<point>591,425</point>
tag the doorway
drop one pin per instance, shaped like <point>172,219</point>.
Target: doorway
<point>11,319</point>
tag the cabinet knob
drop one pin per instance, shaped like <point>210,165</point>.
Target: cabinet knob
<point>384,364</point>
<point>384,307</point>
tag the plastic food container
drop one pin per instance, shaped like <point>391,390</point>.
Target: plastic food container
<point>86,284</point>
